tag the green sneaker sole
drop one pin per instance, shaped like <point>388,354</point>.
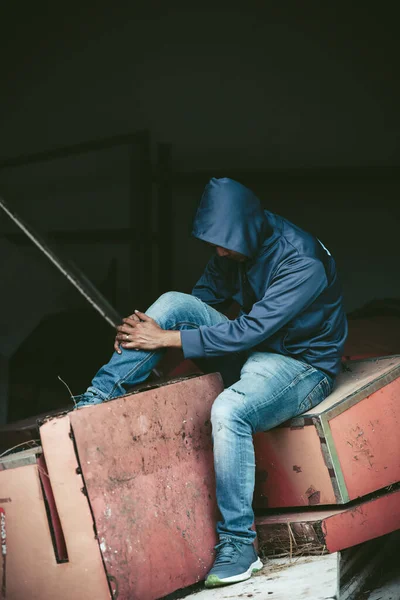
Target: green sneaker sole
<point>213,581</point>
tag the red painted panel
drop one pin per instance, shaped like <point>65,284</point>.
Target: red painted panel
<point>148,468</point>
<point>290,469</point>
<point>337,529</point>
<point>300,463</point>
<point>363,522</point>
<point>61,548</point>
<point>367,442</point>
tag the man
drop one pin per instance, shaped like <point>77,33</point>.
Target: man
<point>288,340</point>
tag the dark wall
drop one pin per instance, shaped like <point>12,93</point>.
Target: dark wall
<point>267,84</point>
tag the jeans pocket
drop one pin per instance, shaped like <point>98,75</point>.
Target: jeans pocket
<point>317,394</point>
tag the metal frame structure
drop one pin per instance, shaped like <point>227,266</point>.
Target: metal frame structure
<point>149,238</point>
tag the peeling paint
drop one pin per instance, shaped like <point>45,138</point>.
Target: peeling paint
<point>313,495</point>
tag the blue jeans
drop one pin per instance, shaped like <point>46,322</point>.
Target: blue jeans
<point>270,389</point>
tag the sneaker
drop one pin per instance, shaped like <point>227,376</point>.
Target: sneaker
<point>234,562</point>
<point>86,399</point>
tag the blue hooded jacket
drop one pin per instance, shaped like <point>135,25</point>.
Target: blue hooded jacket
<point>288,289</point>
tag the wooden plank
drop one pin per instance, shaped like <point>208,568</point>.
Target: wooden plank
<point>20,459</point>
<point>361,378</point>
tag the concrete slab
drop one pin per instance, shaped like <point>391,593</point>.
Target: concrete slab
<point>389,589</point>
<point>303,578</point>
<point>369,567</point>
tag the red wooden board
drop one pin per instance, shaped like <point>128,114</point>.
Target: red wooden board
<point>346,447</point>
<point>147,463</point>
<point>335,529</point>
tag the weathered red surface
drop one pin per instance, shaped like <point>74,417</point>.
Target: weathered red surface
<point>290,467</point>
<point>147,463</point>
<point>335,529</point>
<point>363,522</point>
<point>367,441</point>
<point>59,540</point>
<point>346,447</point>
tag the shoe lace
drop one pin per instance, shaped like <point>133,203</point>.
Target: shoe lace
<point>88,397</point>
<point>226,550</point>
<point>87,400</point>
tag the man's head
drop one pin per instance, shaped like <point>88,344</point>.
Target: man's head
<point>231,254</point>
<point>231,219</point>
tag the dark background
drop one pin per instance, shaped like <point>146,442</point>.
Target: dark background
<point>299,101</point>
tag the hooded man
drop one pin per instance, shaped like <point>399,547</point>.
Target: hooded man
<point>288,340</point>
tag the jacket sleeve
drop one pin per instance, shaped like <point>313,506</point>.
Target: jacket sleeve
<point>297,283</point>
<point>216,285</point>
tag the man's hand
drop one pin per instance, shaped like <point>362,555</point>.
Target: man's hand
<point>116,342</point>
<point>140,332</point>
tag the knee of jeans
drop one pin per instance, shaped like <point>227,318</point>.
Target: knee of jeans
<point>165,303</point>
<point>171,298</point>
<point>227,408</point>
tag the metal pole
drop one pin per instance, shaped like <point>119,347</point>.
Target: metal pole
<point>3,389</point>
<point>140,221</point>
<point>73,150</point>
<point>165,218</point>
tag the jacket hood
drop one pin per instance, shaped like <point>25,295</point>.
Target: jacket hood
<point>231,216</point>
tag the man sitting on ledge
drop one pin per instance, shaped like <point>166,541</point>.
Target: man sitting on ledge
<point>279,357</point>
